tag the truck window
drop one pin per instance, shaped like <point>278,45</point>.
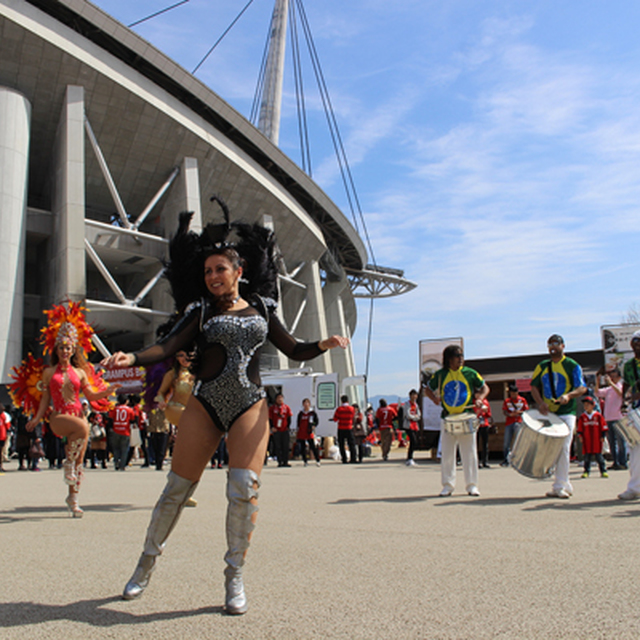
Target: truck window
<point>326,395</point>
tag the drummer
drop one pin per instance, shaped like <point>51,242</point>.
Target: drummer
<point>631,375</point>
<point>457,389</point>
<point>557,394</point>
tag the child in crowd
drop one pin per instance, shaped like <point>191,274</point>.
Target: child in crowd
<point>592,429</point>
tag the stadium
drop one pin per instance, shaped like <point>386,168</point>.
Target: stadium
<point>103,141</point>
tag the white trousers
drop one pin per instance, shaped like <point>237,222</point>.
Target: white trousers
<point>468,454</point>
<point>634,469</point>
<point>561,478</point>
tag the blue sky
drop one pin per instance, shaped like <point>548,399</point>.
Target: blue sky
<point>495,147</point>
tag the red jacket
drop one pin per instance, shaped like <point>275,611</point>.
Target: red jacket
<point>385,416</point>
<point>344,416</point>
<point>592,430</point>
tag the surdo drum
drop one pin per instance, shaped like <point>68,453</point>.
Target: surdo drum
<point>629,427</point>
<point>461,423</point>
<point>538,444</point>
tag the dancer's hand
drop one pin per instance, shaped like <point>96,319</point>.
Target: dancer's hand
<point>333,341</point>
<point>118,360</point>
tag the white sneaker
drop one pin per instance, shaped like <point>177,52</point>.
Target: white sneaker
<point>318,463</point>
<point>410,463</point>
<point>473,490</point>
<point>446,492</point>
<point>629,495</point>
<point>558,493</point>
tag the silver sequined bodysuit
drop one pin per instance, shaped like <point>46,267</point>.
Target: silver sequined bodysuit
<point>228,376</point>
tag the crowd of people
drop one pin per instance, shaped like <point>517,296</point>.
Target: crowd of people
<point>212,408</point>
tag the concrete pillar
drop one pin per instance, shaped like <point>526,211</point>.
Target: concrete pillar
<point>68,273</point>
<point>313,324</point>
<point>184,195</point>
<point>341,359</point>
<point>15,115</point>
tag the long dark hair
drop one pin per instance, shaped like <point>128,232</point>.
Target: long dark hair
<point>450,352</point>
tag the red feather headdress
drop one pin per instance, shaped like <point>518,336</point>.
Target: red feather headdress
<point>67,324</point>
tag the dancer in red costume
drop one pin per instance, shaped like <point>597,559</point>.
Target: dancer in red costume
<point>68,337</point>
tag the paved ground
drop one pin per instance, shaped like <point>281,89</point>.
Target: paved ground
<point>340,551</point>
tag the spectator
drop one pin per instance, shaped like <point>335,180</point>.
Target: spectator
<point>307,421</point>
<point>484,422</point>
<point>158,430</point>
<point>280,420</point>
<point>591,429</point>
<point>5,427</point>
<point>359,432</point>
<point>98,435</point>
<point>411,418</point>
<point>343,415</point>
<point>513,407</point>
<point>612,397</point>
<point>122,416</point>
<point>385,416</point>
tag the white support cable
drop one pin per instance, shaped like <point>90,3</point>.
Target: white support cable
<point>289,280</point>
<point>107,175</point>
<point>101,346</point>
<point>113,230</point>
<point>112,306</point>
<point>143,216</point>
<point>102,268</point>
<point>294,324</point>
<point>145,290</point>
<point>296,271</point>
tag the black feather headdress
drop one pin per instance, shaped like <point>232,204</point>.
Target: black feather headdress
<point>255,244</point>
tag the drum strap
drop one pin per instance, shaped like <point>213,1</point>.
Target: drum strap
<point>551,382</point>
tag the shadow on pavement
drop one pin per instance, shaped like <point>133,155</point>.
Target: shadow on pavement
<point>13,614</point>
<point>34,513</point>
<point>387,499</point>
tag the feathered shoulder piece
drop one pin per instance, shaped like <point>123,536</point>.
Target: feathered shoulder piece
<point>26,390</point>
<point>96,384</point>
<point>184,270</point>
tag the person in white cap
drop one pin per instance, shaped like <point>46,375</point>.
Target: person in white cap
<point>632,386</point>
<point>555,385</point>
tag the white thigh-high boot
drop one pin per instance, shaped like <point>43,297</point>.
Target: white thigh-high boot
<point>242,487</point>
<point>163,519</point>
<point>71,464</point>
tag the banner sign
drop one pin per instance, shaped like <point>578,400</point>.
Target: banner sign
<point>616,339</point>
<point>131,379</point>
<point>430,362</point>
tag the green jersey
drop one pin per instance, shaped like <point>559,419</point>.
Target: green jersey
<point>567,376</point>
<point>456,388</point>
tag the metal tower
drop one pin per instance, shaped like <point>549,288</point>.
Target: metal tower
<point>269,120</point>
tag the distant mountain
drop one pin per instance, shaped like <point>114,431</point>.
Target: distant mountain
<point>374,401</point>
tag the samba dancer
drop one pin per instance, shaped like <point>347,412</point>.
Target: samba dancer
<point>230,320</point>
<point>457,389</point>
<point>631,374</point>
<point>174,393</point>
<point>68,338</point>
<point>555,385</point>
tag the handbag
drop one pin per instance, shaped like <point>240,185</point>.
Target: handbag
<point>35,450</point>
<point>97,432</point>
<point>134,439</point>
